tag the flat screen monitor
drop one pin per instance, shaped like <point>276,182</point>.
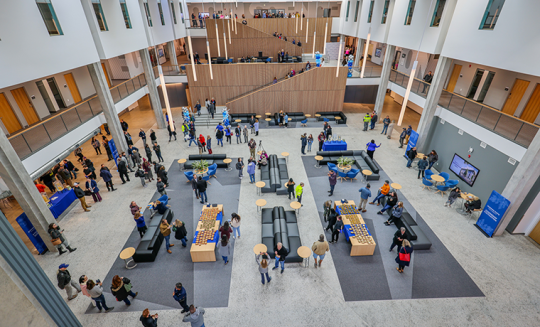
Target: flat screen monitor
<point>464,170</point>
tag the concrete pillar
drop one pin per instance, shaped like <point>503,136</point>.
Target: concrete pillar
<point>521,182</point>
<point>155,102</point>
<point>107,104</point>
<point>432,100</point>
<point>385,77</point>
<point>172,53</point>
<point>27,195</point>
<point>359,52</point>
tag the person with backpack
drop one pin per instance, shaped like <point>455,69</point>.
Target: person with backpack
<point>121,289</point>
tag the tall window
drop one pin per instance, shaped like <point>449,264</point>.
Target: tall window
<point>385,11</point>
<point>147,12</point>
<point>125,12</point>
<point>173,12</point>
<point>181,12</point>
<point>493,10</point>
<point>356,12</point>
<point>161,12</point>
<point>410,12</point>
<point>347,14</point>
<point>437,14</point>
<point>370,12</point>
<point>99,15</point>
<point>49,17</point>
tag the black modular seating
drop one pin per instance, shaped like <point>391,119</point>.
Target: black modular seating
<point>362,161</point>
<point>295,117</point>
<point>244,117</point>
<point>417,237</point>
<point>151,241</point>
<point>211,158</point>
<point>330,115</point>
<point>279,225</point>
<point>275,175</point>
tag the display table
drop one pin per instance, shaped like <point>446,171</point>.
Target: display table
<point>355,229</point>
<point>127,256</point>
<point>334,146</point>
<point>60,201</point>
<point>206,234</point>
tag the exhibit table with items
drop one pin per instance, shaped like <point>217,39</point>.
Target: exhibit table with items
<point>334,146</point>
<point>207,234</point>
<point>355,229</point>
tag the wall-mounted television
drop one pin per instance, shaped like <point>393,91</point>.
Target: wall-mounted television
<point>464,170</point>
<point>378,52</point>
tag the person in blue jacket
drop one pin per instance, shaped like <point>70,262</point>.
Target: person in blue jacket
<point>91,185</point>
<point>141,224</point>
<point>107,177</point>
<point>180,295</point>
<point>422,165</point>
<point>371,148</point>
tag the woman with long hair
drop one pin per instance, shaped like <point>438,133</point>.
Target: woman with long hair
<point>147,319</point>
<point>235,223</point>
<point>290,188</point>
<point>226,230</point>
<point>396,214</point>
<point>209,144</point>
<point>121,288</point>
<point>96,293</point>
<point>404,256</point>
<point>263,265</point>
<point>224,248</point>
<point>180,231</point>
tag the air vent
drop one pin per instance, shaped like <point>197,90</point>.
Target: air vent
<point>512,161</point>
<point>334,8</point>
<point>125,68</point>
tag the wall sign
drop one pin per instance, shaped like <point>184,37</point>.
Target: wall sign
<point>492,214</point>
<point>483,144</point>
<point>512,161</point>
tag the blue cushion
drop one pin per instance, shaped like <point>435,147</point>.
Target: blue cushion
<point>189,175</point>
<point>304,121</point>
<point>445,175</point>
<point>442,187</point>
<point>426,182</point>
<point>352,173</point>
<point>212,167</point>
<point>206,178</point>
<point>428,173</point>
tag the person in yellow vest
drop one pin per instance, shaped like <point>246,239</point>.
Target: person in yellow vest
<point>299,191</point>
<point>367,120</point>
<point>165,230</point>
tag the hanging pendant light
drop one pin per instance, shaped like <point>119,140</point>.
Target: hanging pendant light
<point>338,58</point>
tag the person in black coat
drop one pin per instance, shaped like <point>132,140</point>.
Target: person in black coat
<point>47,179</point>
<point>121,288</point>
<point>148,320</point>
<point>281,254</point>
<point>332,218</point>
<point>337,229</point>
<point>107,177</point>
<point>105,143</point>
<point>162,173</point>
<point>201,188</point>
<point>411,154</point>
<point>406,249</point>
<point>194,185</point>
<point>180,232</point>
<point>399,236</point>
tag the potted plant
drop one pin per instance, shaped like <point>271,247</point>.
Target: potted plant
<point>200,166</point>
<point>344,163</point>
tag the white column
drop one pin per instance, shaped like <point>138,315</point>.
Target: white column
<point>155,102</point>
<point>385,77</point>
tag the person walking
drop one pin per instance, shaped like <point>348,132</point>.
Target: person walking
<point>228,135</point>
<point>160,187</point>
<point>192,138</point>
<point>165,230</point>
<point>422,165</point>
<point>224,248</point>
<point>180,296</point>
<point>121,289</point>
<point>219,135</point>
<point>329,132</point>
<point>367,120</point>
<point>66,283</point>
<point>201,188</point>
<point>194,185</point>
<point>386,123</point>
<point>399,236</point>
<point>396,214</point>
<point>97,145</point>
<point>226,230</point>
<point>141,224</point>
<point>256,126</point>
<point>336,229</point>
<point>240,167</point>
<point>157,150</point>
<point>433,158</point>
<point>95,289</point>
<point>251,170</point>
<point>321,138</point>
<point>91,186</point>
<point>374,118</point>
<point>326,209</point>
<point>263,265</point>
<point>79,193</point>
<point>404,255</point>
<point>371,147</point>
<point>332,178</point>
<point>252,145</point>
<point>365,193</point>
<point>123,170</point>
<point>281,254</point>
<point>148,320</point>
<point>299,191</point>
<point>58,239</point>
<point>195,316</point>
<point>235,224</point>
<point>82,284</point>
<point>383,191</point>
<point>290,188</point>
<point>180,232</point>
<point>198,107</point>
<point>303,138</point>
<point>106,175</point>
<point>319,249</point>
<point>309,142</point>
<point>245,133</point>
<point>402,137</point>
<point>411,155</point>
<point>209,144</point>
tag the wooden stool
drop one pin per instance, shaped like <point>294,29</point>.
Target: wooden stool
<point>228,162</point>
<point>260,203</point>
<point>127,256</point>
<point>260,248</point>
<point>181,162</point>
<point>318,158</point>
<point>260,185</point>
<point>304,252</point>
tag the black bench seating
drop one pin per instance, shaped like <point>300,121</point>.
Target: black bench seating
<point>362,161</point>
<point>330,115</point>
<point>275,175</point>
<point>211,158</point>
<point>279,225</point>
<point>245,117</point>
<point>151,241</point>
<point>294,116</point>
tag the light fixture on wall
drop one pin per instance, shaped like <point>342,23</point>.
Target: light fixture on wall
<point>338,58</point>
<point>224,34</point>
<point>208,50</point>
<point>366,47</point>
<point>301,15</point>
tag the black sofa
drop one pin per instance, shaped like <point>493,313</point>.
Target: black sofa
<point>151,241</point>
<point>330,115</point>
<point>295,117</point>
<point>362,161</point>
<point>279,225</point>
<point>211,158</point>
<point>275,175</point>
<point>417,237</point>
<point>244,117</point>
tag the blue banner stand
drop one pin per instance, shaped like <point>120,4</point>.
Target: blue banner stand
<point>412,142</point>
<point>32,234</point>
<point>492,214</point>
<point>114,151</point>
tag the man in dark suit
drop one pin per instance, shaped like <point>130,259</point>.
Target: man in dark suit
<point>399,236</point>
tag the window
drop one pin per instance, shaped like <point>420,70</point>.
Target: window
<point>356,12</point>
<point>125,12</point>
<point>493,10</point>
<point>161,12</point>
<point>347,14</point>
<point>370,12</point>
<point>181,13</point>
<point>49,17</point>
<point>173,12</point>
<point>410,12</point>
<point>147,12</point>
<point>99,15</point>
<point>385,11</point>
<point>437,14</point>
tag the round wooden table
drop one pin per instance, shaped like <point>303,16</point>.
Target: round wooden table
<point>304,252</point>
<point>258,116</point>
<point>200,172</point>
<point>238,120</point>
<point>437,178</point>
<point>267,119</point>
<point>260,203</point>
<point>268,114</point>
<point>260,185</point>
<point>317,115</point>
<point>395,186</point>
<point>260,248</point>
<point>127,256</point>
<point>337,118</point>
<point>286,155</point>
<point>318,158</point>
<point>181,162</point>
<point>366,173</point>
<point>228,162</point>
<point>307,115</point>
<point>296,206</point>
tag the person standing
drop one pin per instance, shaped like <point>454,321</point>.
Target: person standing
<point>171,132</point>
<point>299,191</point>
<point>319,249</point>
<point>226,230</point>
<point>240,168</point>
<point>321,139</point>
<point>142,135</point>
<point>309,142</point>
<point>411,155</point>
<point>238,133</point>
<point>96,145</point>
<point>427,79</point>
<point>252,145</point>
<point>332,178</point>
<point>374,118</point>
<point>71,168</point>
<point>180,296</point>
<point>281,254</point>
<point>367,120</point>
<point>209,144</point>
<point>422,165</point>
<point>79,193</point>
<point>95,289</point>
<point>57,236</point>
<point>365,193</point>
<point>129,140</point>
<point>40,187</point>
<point>386,123</point>
<point>194,185</point>
<point>371,146</point>
<point>106,175</point>
<point>66,283</point>
<point>141,174</point>
<point>148,320</point>
<point>157,150</point>
<point>180,232</point>
<point>409,132</point>
<point>141,224</point>
<point>195,316</point>
<point>336,230</point>
<point>148,152</point>
<point>245,133</point>
<point>224,248</point>
<point>303,138</point>
<point>121,289</point>
<point>82,283</point>
<point>160,187</point>
<point>228,134</point>
<point>235,224</point>
<point>329,132</point>
<point>404,255</point>
<point>433,158</point>
<point>399,236</point>
<point>105,143</point>
<point>251,170</point>
<point>198,107</point>
<point>332,219</point>
<point>263,265</point>
<point>123,170</point>
<point>256,126</point>
<point>147,167</point>
<point>219,134</point>
<point>165,230</point>
<point>153,137</point>
<point>290,188</point>
<point>201,188</point>
<point>91,185</point>
<point>402,137</point>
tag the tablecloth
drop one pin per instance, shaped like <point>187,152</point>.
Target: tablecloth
<point>60,201</point>
<point>349,233</point>
<point>214,240</point>
<point>334,146</point>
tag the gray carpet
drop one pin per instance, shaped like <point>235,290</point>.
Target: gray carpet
<point>207,284</point>
<point>432,274</point>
